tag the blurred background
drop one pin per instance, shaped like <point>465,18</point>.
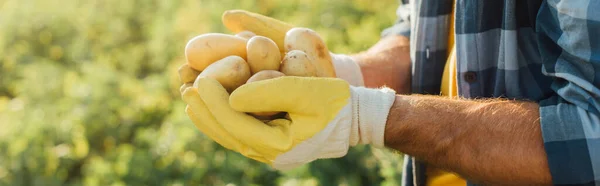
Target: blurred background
<point>89,93</point>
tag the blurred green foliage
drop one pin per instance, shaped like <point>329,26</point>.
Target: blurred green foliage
<point>89,93</point>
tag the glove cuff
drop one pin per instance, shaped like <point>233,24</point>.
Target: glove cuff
<point>347,68</point>
<point>370,109</point>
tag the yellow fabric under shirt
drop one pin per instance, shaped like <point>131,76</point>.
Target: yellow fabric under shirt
<point>437,177</point>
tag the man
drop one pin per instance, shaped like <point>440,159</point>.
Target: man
<point>518,106</point>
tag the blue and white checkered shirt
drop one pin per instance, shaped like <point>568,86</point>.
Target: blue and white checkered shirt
<point>546,51</point>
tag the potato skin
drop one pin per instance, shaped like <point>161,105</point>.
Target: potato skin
<point>245,34</point>
<point>205,49</point>
<point>298,63</point>
<point>263,54</point>
<point>231,72</point>
<point>310,42</point>
<point>264,75</point>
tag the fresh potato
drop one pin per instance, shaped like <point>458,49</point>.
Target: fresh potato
<point>205,49</point>
<point>231,72</point>
<point>265,74</point>
<point>298,63</point>
<point>263,54</point>
<point>245,34</point>
<point>187,74</point>
<point>310,42</point>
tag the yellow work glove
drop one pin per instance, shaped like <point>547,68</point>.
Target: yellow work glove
<point>326,117</point>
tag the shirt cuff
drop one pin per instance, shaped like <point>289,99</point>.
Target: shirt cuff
<point>572,142</point>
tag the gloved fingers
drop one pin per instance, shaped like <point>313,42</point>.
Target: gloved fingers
<point>298,95</point>
<point>252,154</point>
<point>206,123</point>
<point>300,132</point>
<point>282,124</point>
<point>270,141</point>
<point>183,87</point>
<point>187,74</point>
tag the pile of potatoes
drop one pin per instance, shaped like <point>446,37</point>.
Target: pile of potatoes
<point>245,57</point>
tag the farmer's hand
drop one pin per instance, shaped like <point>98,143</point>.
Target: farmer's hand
<point>326,117</point>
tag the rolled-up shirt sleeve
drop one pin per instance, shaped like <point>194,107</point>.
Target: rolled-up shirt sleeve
<point>402,24</point>
<point>569,43</point>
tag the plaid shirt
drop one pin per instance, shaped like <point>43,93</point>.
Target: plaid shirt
<point>546,51</point>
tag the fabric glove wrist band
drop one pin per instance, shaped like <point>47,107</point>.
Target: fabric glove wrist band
<point>370,109</point>
<point>347,68</point>
<point>370,106</point>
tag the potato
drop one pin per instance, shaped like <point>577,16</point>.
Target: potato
<point>231,72</point>
<point>263,54</point>
<point>297,63</point>
<point>264,75</point>
<point>310,42</point>
<point>245,34</point>
<point>187,74</point>
<point>205,49</point>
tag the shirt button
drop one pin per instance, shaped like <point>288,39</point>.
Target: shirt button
<point>470,77</point>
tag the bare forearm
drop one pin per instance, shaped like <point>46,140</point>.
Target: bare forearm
<point>492,141</point>
<point>387,63</point>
